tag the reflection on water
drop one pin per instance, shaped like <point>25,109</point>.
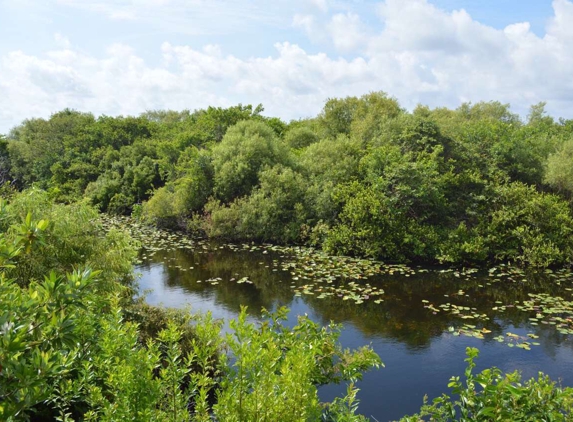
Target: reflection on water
<point>416,344</point>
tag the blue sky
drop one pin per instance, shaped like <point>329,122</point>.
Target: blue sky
<point>127,56</point>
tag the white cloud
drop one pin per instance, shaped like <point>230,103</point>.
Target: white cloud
<point>306,22</point>
<point>346,31</point>
<point>417,25</point>
<point>313,28</point>
<point>561,26</point>
<point>419,54</point>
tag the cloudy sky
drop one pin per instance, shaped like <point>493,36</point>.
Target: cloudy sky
<point>127,56</point>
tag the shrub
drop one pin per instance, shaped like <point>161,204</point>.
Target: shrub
<point>73,238</point>
<point>494,396</point>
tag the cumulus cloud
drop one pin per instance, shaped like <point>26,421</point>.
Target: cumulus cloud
<point>478,62</point>
<point>346,32</point>
<point>416,52</point>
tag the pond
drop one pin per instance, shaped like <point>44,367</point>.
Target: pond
<point>419,320</point>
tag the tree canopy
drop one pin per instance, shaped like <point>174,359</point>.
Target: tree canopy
<point>364,177</point>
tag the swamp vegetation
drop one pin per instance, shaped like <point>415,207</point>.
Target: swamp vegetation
<point>364,178</point>
<point>364,189</point>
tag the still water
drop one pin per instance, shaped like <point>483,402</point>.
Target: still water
<point>418,320</point>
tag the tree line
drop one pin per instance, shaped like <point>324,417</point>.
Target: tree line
<point>364,177</point>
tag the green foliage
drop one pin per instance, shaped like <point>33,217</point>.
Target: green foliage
<point>73,237</point>
<point>421,183</point>
<point>518,224</point>
<point>40,343</point>
<point>375,112</point>
<point>186,194</point>
<point>363,116</point>
<point>5,166</point>
<point>559,172</point>
<point>273,212</point>
<point>194,183</point>
<point>494,396</point>
<point>492,110</point>
<point>334,160</point>
<point>327,164</point>
<point>276,369</point>
<point>37,145</point>
<point>337,116</point>
<point>343,409</point>
<point>245,150</point>
<point>415,183</point>
<point>213,122</point>
<point>531,227</point>
<point>76,348</point>
<point>160,209</point>
<point>370,225</point>
<point>50,322</point>
<point>300,137</point>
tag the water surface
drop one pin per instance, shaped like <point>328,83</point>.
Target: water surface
<point>412,325</point>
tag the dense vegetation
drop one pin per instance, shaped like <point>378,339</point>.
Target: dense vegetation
<point>75,346</point>
<point>365,177</point>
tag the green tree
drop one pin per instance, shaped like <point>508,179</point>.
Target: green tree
<point>246,149</point>
<point>559,169</point>
<point>4,161</point>
<point>300,137</point>
<point>37,144</point>
<point>274,211</point>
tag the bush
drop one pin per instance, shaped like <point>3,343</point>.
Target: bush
<point>276,371</point>
<point>494,396</point>
<point>559,171</point>
<point>273,212</point>
<point>527,226</point>
<point>69,350</point>
<point>300,137</point>
<point>160,209</point>
<point>74,237</point>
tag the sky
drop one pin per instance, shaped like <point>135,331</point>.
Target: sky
<point>124,57</point>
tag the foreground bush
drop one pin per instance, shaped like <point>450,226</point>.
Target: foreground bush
<point>73,347</point>
<point>494,396</point>
<point>58,237</point>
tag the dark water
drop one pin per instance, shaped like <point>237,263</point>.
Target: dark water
<point>418,349</point>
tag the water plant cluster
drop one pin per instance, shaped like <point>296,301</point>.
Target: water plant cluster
<point>313,273</point>
<point>490,395</point>
<point>541,308</point>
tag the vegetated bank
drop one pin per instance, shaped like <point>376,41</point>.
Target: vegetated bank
<point>75,346</point>
<point>365,177</point>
